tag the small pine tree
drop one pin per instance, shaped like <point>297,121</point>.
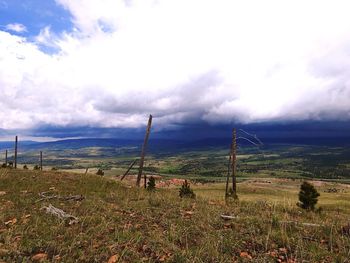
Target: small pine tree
<point>308,196</point>
<point>151,185</point>
<point>231,194</point>
<point>100,172</point>
<point>186,191</point>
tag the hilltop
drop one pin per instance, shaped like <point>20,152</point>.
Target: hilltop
<point>121,223</point>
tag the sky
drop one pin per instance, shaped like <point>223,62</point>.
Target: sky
<point>69,66</point>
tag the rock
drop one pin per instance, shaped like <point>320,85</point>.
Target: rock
<point>39,257</point>
<point>113,259</point>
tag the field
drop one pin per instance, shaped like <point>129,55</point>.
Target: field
<point>203,163</point>
<point>121,223</point>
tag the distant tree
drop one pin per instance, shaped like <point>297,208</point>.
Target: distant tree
<point>186,191</point>
<point>308,196</point>
<point>100,172</point>
<point>25,167</point>
<point>151,185</point>
<point>36,167</point>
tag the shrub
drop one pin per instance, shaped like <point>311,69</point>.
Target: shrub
<point>54,169</point>
<point>36,167</point>
<point>4,165</point>
<point>25,167</point>
<point>308,196</point>
<point>100,172</point>
<point>231,194</point>
<point>151,185</point>
<point>186,191</point>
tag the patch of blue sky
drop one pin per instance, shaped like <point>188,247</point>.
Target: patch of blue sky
<point>34,15</point>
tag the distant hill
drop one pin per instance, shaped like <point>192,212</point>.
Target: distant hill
<point>167,144</point>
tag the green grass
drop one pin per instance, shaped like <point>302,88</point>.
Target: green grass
<point>137,226</point>
<point>286,161</point>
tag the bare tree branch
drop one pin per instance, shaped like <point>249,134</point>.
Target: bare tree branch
<point>60,214</point>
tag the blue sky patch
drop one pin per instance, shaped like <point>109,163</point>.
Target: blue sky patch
<point>34,15</point>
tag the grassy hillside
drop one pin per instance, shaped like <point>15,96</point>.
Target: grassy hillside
<point>119,223</point>
<point>205,163</point>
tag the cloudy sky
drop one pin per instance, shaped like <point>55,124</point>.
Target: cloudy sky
<point>108,64</point>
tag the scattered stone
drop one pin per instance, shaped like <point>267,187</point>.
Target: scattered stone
<point>11,222</point>
<point>113,259</point>
<point>245,255</point>
<point>39,257</point>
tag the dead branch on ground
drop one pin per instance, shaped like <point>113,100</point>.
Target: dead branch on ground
<point>44,196</point>
<point>70,219</point>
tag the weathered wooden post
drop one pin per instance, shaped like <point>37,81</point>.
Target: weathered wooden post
<point>231,169</point>
<point>228,175</point>
<point>6,157</point>
<point>234,163</point>
<point>144,151</point>
<point>16,144</point>
<point>41,160</point>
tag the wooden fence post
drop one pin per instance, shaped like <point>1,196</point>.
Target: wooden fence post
<point>144,151</point>
<point>6,157</point>
<point>228,175</point>
<point>41,160</point>
<point>234,163</point>
<point>16,144</point>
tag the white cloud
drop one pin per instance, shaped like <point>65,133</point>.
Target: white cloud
<point>16,27</point>
<point>217,61</point>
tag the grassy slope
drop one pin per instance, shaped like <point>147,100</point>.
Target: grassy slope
<point>139,226</point>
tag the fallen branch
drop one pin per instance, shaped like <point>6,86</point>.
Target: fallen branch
<point>129,168</point>
<point>300,223</point>
<point>227,217</point>
<point>61,198</point>
<point>310,238</point>
<point>60,214</point>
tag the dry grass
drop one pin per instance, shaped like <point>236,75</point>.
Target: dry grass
<point>138,226</point>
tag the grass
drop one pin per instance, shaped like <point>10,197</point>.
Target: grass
<point>138,226</point>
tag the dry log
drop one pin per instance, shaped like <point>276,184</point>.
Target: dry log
<point>70,219</point>
<point>61,198</point>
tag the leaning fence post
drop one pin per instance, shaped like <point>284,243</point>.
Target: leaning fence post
<point>144,151</point>
<point>16,144</point>
<point>129,168</point>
